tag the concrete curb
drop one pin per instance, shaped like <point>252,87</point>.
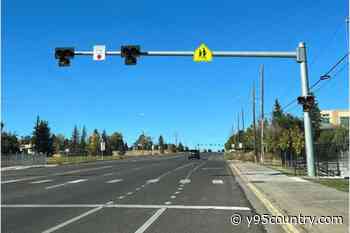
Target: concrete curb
<point>288,228</point>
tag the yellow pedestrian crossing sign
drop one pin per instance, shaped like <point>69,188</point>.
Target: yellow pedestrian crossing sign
<point>202,54</point>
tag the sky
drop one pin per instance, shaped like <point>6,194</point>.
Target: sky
<point>196,102</point>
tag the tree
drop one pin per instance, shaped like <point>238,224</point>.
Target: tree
<point>144,142</point>
<point>106,140</point>
<point>298,141</point>
<point>277,111</point>
<point>161,144</point>
<point>180,147</point>
<point>315,116</point>
<point>172,147</point>
<point>58,143</point>
<point>42,139</point>
<point>94,143</point>
<point>75,141</point>
<point>116,142</point>
<point>9,143</point>
<point>83,143</point>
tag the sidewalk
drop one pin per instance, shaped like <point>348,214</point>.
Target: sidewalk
<point>293,196</point>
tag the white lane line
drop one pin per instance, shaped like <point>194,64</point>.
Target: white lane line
<point>151,220</point>
<point>40,181</point>
<point>173,197</point>
<point>55,186</point>
<point>18,180</point>
<point>152,181</point>
<point>217,181</point>
<point>193,170</point>
<point>185,181</point>
<point>63,184</point>
<point>76,181</point>
<point>137,189</point>
<point>110,203</point>
<point>121,197</point>
<point>177,192</point>
<point>52,229</point>
<point>114,181</point>
<point>166,205</point>
<point>81,170</point>
<point>129,193</point>
<point>180,188</point>
<point>108,174</point>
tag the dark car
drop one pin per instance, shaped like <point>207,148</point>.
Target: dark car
<point>194,154</point>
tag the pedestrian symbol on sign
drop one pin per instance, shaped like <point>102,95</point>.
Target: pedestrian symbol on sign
<point>202,54</point>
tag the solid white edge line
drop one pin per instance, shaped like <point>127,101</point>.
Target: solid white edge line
<point>149,222</point>
<point>124,206</point>
<point>52,229</point>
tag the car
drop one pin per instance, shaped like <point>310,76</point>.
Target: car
<point>194,154</point>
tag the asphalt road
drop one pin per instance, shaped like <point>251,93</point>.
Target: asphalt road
<point>165,195</point>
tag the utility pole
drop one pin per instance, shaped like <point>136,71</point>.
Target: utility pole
<point>254,127</point>
<point>238,130</point>
<point>242,119</point>
<point>262,150</point>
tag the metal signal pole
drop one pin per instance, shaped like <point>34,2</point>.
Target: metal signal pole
<point>132,52</point>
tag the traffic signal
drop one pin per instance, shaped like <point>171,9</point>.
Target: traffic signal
<point>130,53</point>
<point>64,55</point>
<point>307,102</point>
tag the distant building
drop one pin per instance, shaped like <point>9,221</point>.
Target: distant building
<point>26,148</point>
<point>333,118</point>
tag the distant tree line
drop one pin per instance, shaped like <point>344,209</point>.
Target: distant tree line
<point>79,143</point>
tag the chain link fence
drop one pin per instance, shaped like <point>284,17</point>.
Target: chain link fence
<point>23,159</point>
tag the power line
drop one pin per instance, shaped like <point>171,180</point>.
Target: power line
<point>326,75</point>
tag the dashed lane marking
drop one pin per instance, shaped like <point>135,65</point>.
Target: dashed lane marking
<point>108,174</point>
<point>19,180</point>
<point>76,181</point>
<point>152,181</point>
<point>173,197</point>
<point>217,181</point>
<point>114,181</point>
<point>40,181</point>
<point>185,181</point>
<point>63,184</point>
